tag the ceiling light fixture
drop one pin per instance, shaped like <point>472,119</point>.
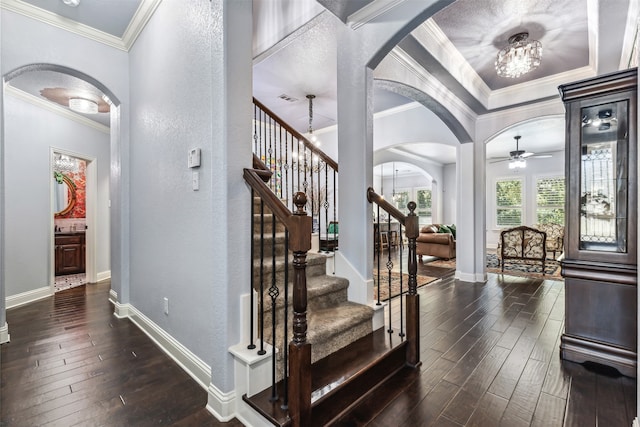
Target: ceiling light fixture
<point>82,105</point>
<point>520,57</point>
<point>72,3</point>
<point>312,137</point>
<point>517,157</point>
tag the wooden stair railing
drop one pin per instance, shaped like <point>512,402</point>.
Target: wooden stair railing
<point>297,166</point>
<point>410,224</point>
<point>297,398</point>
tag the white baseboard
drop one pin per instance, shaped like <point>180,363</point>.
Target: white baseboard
<point>103,275</point>
<point>4,333</point>
<point>113,296</point>
<point>465,277</point>
<point>188,361</point>
<point>27,297</point>
<point>121,311</point>
<point>221,405</point>
<point>636,423</point>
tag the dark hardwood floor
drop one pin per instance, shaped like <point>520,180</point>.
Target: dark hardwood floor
<point>489,356</point>
<point>71,362</point>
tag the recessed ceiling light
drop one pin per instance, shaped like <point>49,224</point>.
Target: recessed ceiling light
<point>72,3</point>
<point>82,105</point>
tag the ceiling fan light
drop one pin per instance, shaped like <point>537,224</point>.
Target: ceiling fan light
<point>82,105</point>
<point>517,164</point>
<point>520,57</point>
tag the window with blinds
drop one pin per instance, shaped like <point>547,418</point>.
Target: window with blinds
<point>550,200</point>
<point>509,202</point>
<point>423,200</point>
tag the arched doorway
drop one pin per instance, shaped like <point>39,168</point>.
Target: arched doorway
<point>45,119</point>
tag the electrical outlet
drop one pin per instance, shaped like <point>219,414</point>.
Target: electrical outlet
<point>166,305</point>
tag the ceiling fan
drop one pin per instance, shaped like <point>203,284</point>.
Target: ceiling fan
<point>517,157</point>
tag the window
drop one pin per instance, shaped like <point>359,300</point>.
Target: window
<point>401,199</point>
<point>509,202</point>
<point>423,200</point>
<point>550,200</point>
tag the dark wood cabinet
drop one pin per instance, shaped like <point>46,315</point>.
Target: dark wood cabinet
<point>70,253</point>
<point>600,258</point>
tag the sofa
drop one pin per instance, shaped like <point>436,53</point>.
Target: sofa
<point>436,240</point>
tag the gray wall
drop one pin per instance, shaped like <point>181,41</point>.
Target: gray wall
<point>30,131</point>
<point>179,240</point>
<point>27,41</point>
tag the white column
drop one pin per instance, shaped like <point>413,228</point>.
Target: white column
<point>480,211</point>
<point>466,211</point>
<point>354,260</point>
<point>231,77</point>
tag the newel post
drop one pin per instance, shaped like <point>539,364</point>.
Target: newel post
<point>299,349</point>
<point>412,298</point>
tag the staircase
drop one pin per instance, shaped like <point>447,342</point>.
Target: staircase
<point>333,321</point>
<point>318,348</point>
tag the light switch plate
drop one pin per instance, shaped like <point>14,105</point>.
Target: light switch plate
<point>194,158</point>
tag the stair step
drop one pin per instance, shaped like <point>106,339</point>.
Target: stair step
<point>328,329</point>
<point>342,380</point>
<point>316,266</point>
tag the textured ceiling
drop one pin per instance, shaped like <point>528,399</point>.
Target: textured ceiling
<point>295,53</point>
<point>480,28</point>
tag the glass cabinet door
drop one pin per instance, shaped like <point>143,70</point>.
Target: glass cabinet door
<point>603,178</point>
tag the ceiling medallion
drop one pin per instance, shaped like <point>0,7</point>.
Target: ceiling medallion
<point>520,57</point>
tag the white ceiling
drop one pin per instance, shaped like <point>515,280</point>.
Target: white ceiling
<point>295,53</point>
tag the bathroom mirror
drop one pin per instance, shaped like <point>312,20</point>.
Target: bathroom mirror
<point>64,194</point>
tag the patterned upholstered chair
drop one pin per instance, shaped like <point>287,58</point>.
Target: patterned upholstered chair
<point>555,237</point>
<point>522,244</point>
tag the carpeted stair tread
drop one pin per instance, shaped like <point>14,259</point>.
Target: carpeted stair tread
<point>328,322</point>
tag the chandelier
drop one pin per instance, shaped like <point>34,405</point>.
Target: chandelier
<point>520,57</point>
<point>395,196</point>
<point>62,163</point>
<point>312,137</point>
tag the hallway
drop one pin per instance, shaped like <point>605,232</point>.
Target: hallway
<point>489,358</point>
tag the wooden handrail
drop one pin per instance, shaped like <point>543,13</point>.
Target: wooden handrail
<point>308,144</point>
<point>374,197</point>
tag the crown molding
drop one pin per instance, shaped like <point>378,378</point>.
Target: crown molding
<point>537,89</point>
<point>140,19</point>
<point>433,86</point>
<point>550,107</point>
<point>371,12</point>
<point>434,40</point>
<point>55,108</point>
<point>397,110</point>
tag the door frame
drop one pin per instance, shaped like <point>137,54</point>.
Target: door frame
<point>91,195</point>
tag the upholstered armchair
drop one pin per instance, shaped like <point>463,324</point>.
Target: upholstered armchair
<point>522,243</point>
<point>555,237</point>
